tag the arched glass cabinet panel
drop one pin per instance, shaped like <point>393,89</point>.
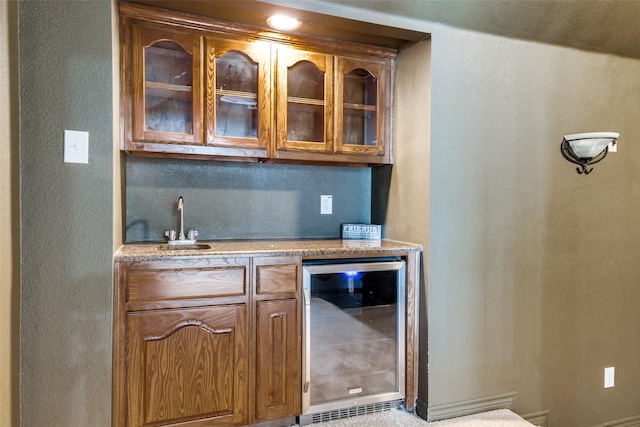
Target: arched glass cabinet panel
<point>168,86</point>
<point>236,95</point>
<point>167,106</point>
<point>304,96</point>
<point>362,106</point>
<point>305,103</point>
<point>238,108</point>
<point>360,102</point>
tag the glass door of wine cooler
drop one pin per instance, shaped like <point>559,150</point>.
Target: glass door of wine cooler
<point>353,334</point>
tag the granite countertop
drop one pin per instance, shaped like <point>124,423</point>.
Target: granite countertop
<point>153,251</point>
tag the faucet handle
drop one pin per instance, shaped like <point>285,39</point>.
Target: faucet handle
<point>192,234</point>
<point>170,235</point>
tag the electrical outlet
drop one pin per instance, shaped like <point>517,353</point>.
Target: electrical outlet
<point>609,377</point>
<point>326,205</point>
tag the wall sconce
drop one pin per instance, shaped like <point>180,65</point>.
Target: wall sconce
<point>586,149</point>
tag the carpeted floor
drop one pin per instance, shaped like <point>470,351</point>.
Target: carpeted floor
<point>398,418</point>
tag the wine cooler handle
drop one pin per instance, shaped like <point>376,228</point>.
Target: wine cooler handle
<point>306,351</point>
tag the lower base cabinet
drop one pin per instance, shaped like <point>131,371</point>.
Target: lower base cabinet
<point>187,365</point>
<point>278,338</point>
<point>206,341</point>
<point>277,376</point>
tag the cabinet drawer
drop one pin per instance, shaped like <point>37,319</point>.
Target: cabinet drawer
<point>205,282</point>
<point>275,276</point>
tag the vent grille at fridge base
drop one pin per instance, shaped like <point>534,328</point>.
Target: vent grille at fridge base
<point>353,411</point>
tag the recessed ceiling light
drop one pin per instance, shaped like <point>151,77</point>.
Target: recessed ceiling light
<point>283,22</point>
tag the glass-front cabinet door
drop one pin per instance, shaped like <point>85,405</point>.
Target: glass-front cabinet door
<point>303,101</point>
<point>209,89</point>
<point>238,108</point>
<point>361,106</point>
<point>166,99</point>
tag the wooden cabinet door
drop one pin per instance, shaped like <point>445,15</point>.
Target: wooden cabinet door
<point>201,88</point>
<point>277,357</point>
<point>304,89</point>
<point>166,86</point>
<point>362,107</point>
<point>187,366</point>
<point>238,96</point>
<point>277,369</point>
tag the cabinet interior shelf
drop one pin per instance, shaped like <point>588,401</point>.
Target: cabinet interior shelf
<point>237,94</point>
<point>359,107</point>
<point>167,90</point>
<point>307,101</point>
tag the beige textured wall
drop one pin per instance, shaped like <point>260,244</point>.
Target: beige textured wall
<point>9,270</point>
<point>66,82</point>
<point>532,268</point>
<point>406,212</point>
<point>6,269</point>
<point>118,156</point>
<point>408,206</point>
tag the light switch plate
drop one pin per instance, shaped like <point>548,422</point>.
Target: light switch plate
<point>76,146</point>
<point>609,377</point>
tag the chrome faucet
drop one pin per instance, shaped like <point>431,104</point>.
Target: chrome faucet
<point>181,240</point>
<point>181,210</point>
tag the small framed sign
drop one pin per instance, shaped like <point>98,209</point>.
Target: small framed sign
<point>361,231</point>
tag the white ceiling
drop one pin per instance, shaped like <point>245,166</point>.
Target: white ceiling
<point>611,26</point>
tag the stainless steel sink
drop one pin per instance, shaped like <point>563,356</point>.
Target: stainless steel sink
<point>184,247</point>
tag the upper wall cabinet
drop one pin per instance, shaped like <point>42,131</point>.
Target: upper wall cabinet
<point>166,91</point>
<point>303,101</point>
<point>362,103</point>
<point>238,106</point>
<point>198,87</point>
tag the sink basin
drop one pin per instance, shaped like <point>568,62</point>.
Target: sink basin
<point>187,247</point>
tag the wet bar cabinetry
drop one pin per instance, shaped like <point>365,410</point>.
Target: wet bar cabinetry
<point>199,87</point>
<point>206,341</point>
<point>214,336</point>
<point>277,338</point>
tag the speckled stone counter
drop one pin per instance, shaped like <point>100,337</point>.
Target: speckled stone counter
<point>304,248</point>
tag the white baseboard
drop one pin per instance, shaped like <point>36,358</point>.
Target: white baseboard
<point>622,422</point>
<point>539,419</point>
<point>468,407</point>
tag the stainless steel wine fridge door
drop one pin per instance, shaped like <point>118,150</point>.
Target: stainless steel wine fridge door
<point>353,334</point>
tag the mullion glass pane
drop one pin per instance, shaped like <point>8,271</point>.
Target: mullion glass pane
<point>236,95</point>
<point>168,88</point>
<point>360,98</point>
<point>305,108</point>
